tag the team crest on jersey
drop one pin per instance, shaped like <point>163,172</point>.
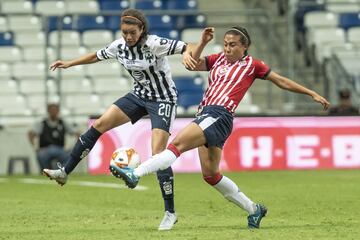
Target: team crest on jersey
<point>163,41</point>
<point>223,70</point>
<point>242,63</point>
<point>137,75</point>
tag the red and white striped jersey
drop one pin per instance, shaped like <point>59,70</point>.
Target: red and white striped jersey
<point>228,82</point>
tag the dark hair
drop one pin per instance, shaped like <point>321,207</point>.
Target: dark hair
<point>136,17</point>
<point>244,36</point>
<point>344,94</point>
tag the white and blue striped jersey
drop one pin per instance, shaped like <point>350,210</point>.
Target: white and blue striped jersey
<point>148,65</point>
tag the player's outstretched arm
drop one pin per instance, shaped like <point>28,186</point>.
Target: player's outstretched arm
<point>287,84</point>
<point>85,59</point>
<point>195,50</point>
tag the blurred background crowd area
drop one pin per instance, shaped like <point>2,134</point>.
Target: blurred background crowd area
<point>313,42</point>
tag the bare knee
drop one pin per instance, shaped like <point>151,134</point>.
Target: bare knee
<point>213,179</point>
<point>101,125</point>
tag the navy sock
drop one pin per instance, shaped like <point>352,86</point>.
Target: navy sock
<point>166,182</point>
<point>81,149</point>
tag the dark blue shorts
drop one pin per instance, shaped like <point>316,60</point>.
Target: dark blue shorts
<point>162,114</point>
<point>217,124</point>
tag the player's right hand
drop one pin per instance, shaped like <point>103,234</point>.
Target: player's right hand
<point>59,64</point>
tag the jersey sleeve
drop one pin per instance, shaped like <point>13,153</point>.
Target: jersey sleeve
<point>210,60</point>
<point>109,52</point>
<point>262,70</point>
<point>165,47</point>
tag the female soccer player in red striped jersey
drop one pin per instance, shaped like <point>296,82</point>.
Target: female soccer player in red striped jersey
<point>231,73</point>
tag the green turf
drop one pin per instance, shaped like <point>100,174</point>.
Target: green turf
<point>302,205</point>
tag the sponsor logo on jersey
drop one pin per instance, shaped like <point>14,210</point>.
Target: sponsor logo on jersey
<point>138,75</point>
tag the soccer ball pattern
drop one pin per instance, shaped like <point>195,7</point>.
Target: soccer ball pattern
<point>125,157</point>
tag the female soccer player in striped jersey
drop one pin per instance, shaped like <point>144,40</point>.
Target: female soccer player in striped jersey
<point>231,73</point>
<point>154,94</point>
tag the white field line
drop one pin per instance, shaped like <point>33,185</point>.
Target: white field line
<point>77,183</point>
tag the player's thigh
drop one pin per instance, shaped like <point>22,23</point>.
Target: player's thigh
<point>210,158</point>
<point>159,139</point>
<point>192,136</point>
<point>112,117</point>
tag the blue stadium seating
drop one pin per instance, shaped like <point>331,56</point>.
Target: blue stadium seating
<point>66,23</point>
<point>85,22</point>
<point>166,33</point>
<point>182,5</point>
<point>348,20</point>
<point>191,21</point>
<point>161,22</point>
<point>6,39</point>
<point>149,4</point>
<point>188,84</point>
<point>113,23</point>
<point>189,99</point>
<point>111,5</point>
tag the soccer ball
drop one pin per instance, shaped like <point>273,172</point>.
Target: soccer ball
<point>125,157</point>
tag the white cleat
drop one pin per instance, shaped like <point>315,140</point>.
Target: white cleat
<point>168,221</point>
<point>59,175</point>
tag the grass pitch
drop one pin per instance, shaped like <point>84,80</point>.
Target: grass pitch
<point>302,205</point>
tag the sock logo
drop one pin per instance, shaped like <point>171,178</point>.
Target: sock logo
<point>84,153</point>
<point>167,188</point>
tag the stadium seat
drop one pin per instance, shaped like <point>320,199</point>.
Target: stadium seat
<point>90,23</point>
<point>113,23</point>
<point>8,87</point>
<point>104,69</point>
<point>76,73</point>
<point>348,20</point>
<point>97,38</point>
<point>191,35</point>
<point>181,5</point>
<point>191,21</point>
<point>3,24</point>
<point>83,104</point>
<point>13,105</point>
<point>50,8</point>
<point>5,71</point>
<point>69,38</point>
<point>10,54</point>
<point>177,68</point>
<point>56,23</point>
<point>161,22</point>
<point>37,102</point>
<point>166,33</point>
<point>187,99</point>
<point>188,84</point>
<point>111,85</point>
<point>342,6</point>
<point>305,6</point>
<point>111,5</point>
<point>69,52</point>
<point>24,23</point>
<point>318,19</point>
<point>38,54</point>
<point>11,7</point>
<point>354,35</point>
<point>149,4</point>
<point>75,86</point>
<point>33,38</point>
<point>6,39</point>
<point>32,86</point>
<point>24,70</point>
<point>82,7</point>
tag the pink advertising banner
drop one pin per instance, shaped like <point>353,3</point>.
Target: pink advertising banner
<point>256,143</point>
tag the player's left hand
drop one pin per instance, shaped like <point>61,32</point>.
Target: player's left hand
<point>207,34</point>
<point>321,100</point>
